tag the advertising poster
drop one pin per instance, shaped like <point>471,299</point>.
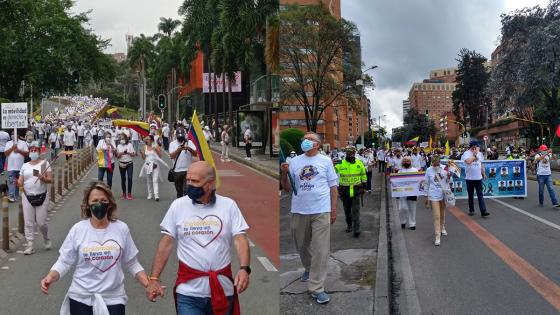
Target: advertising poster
<point>504,178</point>
<point>408,184</point>
<point>253,120</point>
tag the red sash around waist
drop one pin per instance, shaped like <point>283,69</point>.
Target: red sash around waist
<point>217,296</point>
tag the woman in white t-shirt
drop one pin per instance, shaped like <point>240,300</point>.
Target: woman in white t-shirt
<point>100,247</point>
<point>125,153</point>
<point>225,143</point>
<point>34,177</point>
<point>436,179</point>
<point>151,153</point>
<point>407,205</point>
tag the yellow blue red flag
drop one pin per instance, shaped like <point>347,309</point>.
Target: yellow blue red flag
<point>202,148</point>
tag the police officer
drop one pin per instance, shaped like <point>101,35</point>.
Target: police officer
<point>352,177</point>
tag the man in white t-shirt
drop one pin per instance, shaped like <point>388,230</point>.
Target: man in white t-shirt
<point>80,130</point>
<point>474,174</point>
<point>248,140</point>
<point>204,225</point>
<point>134,139</point>
<point>4,137</point>
<point>165,135</point>
<point>16,151</point>
<point>381,160</point>
<point>313,210</point>
<point>182,151</point>
<point>544,174</point>
<point>69,140</point>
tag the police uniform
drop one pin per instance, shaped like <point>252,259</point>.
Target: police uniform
<point>352,177</point>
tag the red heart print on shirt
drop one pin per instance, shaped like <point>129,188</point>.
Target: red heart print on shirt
<point>103,256</point>
<point>203,231</point>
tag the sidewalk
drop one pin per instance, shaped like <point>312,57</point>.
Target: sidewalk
<point>262,163</point>
<point>351,266</point>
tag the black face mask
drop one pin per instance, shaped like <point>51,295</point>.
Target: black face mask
<point>194,192</point>
<point>351,159</point>
<point>406,165</point>
<point>99,210</point>
<point>181,138</point>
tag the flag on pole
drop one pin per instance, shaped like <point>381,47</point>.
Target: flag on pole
<point>430,145</point>
<point>447,147</point>
<point>197,137</point>
<point>290,178</point>
<point>388,146</point>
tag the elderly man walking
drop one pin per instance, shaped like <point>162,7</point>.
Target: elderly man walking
<point>204,225</point>
<point>313,211</point>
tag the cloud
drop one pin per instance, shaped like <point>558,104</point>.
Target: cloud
<point>114,19</point>
<point>407,39</point>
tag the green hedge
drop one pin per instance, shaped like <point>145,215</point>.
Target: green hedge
<point>293,137</point>
<point>286,147</point>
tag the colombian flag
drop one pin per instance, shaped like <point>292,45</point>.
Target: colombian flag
<point>197,137</point>
<point>141,127</point>
<point>104,159</point>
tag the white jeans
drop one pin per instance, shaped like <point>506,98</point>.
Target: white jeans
<point>225,149</point>
<point>153,184</point>
<point>407,211</point>
<point>35,215</point>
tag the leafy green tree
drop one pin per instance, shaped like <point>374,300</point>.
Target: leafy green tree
<point>42,43</point>
<point>470,98</point>
<point>415,125</point>
<point>312,48</point>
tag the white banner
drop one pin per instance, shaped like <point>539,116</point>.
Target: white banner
<point>14,115</point>
<point>235,85</point>
<point>408,184</point>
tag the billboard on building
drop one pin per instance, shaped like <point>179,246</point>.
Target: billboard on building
<point>253,120</point>
<point>235,85</point>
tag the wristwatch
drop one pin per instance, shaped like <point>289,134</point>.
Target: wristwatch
<point>246,268</point>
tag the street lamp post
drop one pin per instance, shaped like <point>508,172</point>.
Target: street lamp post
<point>360,82</point>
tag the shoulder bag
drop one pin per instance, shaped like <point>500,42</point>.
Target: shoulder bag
<point>171,173</point>
<point>36,200</point>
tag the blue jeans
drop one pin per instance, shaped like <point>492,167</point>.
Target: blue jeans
<point>546,180</point>
<point>12,189</point>
<point>101,173</point>
<point>126,173</point>
<point>2,161</point>
<point>473,185</point>
<point>190,305</point>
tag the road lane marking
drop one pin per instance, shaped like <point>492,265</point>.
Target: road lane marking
<point>543,285</point>
<point>532,216</point>
<point>12,259</point>
<point>5,268</point>
<point>267,264</point>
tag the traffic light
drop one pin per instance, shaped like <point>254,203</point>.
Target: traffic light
<point>427,116</point>
<point>161,101</point>
<point>76,77</point>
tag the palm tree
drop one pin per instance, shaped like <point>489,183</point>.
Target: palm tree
<point>168,25</point>
<point>141,55</point>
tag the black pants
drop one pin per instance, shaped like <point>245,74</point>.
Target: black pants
<point>473,185</point>
<point>381,166</point>
<point>95,139</point>
<point>68,148</point>
<point>248,147</point>
<point>126,173</point>
<point>180,178</point>
<point>80,142</point>
<point>166,143</point>
<point>352,211</point>
<point>77,308</point>
<point>368,183</point>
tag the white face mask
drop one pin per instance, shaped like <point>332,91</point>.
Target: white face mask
<point>34,156</point>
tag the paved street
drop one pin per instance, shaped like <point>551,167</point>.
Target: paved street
<point>351,266</point>
<point>256,195</point>
<point>506,264</point>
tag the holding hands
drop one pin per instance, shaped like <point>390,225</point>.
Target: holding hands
<point>154,289</point>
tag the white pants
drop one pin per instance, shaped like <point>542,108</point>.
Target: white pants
<point>225,149</point>
<point>153,184</point>
<point>35,215</point>
<point>407,211</point>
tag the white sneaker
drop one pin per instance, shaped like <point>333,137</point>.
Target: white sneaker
<point>29,249</point>
<point>248,159</point>
<point>150,197</point>
<point>48,244</point>
<point>438,241</point>
<point>443,231</point>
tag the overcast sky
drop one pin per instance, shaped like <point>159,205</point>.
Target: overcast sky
<point>405,38</point>
<point>408,38</point>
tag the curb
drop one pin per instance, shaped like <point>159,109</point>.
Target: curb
<point>382,279</point>
<point>262,169</point>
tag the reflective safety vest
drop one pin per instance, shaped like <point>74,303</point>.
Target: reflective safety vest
<point>351,174</point>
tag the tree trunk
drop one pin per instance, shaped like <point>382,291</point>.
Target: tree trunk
<point>224,108</point>
<point>209,89</point>
<point>231,112</point>
<point>215,105</point>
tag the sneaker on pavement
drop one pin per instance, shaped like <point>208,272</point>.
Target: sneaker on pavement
<point>123,196</point>
<point>48,244</point>
<point>413,228</point>
<point>443,231</point>
<point>321,297</point>
<point>150,198</point>
<point>12,200</point>
<point>348,229</point>
<point>157,198</point>
<point>304,277</point>
<point>556,205</point>
<point>129,197</point>
<point>403,226</point>
<point>485,214</point>
<point>29,249</point>
<point>437,241</point>
<point>471,213</point>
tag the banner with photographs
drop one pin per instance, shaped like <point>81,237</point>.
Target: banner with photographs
<point>254,122</point>
<point>408,184</point>
<point>504,178</point>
